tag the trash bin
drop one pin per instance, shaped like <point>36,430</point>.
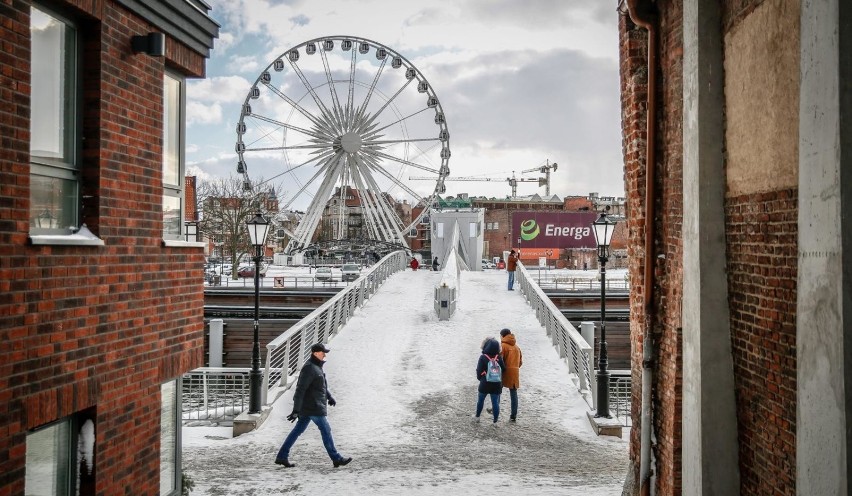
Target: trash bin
<point>217,280</point>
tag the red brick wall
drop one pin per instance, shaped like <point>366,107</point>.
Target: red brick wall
<point>95,328</point>
<point>667,250</point>
<point>762,231</point>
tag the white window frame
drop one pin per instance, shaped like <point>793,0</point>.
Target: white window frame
<point>61,216</point>
<point>174,227</point>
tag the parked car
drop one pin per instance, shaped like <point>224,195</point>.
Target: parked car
<point>350,272</point>
<point>323,274</point>
<point>248,271</point>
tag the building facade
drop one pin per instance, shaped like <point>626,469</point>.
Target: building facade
<point>736,125</point>
<point>103,298</point>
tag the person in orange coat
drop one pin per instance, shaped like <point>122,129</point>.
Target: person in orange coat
<point>414,264</point>
<point>511,265</point>
<point>513,358</point>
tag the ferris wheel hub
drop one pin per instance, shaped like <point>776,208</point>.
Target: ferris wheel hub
<point>351,142</point>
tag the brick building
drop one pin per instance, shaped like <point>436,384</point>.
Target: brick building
<point>102,307</point>
<point>499,237</point>
<point>736,130</point>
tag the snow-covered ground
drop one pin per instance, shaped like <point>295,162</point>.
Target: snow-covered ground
<point>406,389</point>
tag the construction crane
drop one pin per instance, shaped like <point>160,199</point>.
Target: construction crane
<point>544,169</point>
<point>513,181</point>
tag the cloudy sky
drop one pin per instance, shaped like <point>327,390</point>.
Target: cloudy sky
<point>520,83</point>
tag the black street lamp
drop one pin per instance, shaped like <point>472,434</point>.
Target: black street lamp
<point>603,228</point>
<point>257,228</point>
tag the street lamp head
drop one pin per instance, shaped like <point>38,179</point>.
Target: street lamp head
<point>258,226</point>
<point>603,228</point>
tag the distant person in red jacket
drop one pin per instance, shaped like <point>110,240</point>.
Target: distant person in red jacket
<point>511,265</point>
<point>414,264</point>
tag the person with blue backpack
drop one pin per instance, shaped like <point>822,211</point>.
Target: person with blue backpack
<point>489,372</point>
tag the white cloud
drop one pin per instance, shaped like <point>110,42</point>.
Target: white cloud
<point>520,82</point>
<point>200,113</point>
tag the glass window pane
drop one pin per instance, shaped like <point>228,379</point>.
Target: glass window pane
<point>48,461</point>
<point>52,82</point>
<point>171,217</point>
<point>168,437</point>
<point>53,204</point>
<point>171,131</point>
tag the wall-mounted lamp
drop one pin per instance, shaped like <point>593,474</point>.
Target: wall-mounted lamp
<point>154,44</point>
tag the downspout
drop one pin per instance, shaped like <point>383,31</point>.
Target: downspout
<point>641,13</point>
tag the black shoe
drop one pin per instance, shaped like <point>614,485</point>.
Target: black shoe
<point>511,419</point>
<point>341,462</point>
<point>285,462</point>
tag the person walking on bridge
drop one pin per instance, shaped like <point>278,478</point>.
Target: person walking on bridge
<point>512,375</point>
<point>511,265</point>
<point>487,386</point>
<point>309,405</point>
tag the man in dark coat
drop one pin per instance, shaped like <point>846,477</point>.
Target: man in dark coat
<point>435,264</point>
<point>309,405</point>
<point>490,351</point>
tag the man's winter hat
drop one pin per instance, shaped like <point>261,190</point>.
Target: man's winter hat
<point>505,332</point>
<point>319,347</point>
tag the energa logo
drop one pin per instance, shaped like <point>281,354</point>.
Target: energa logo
<point>529,230</point>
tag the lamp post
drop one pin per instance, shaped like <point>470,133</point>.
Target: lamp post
<point>257,228</point>
<point>603,228</point>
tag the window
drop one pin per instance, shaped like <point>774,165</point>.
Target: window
<point>496,226</point>
<point>54,125</point>
<point>49,460</point>
<point>169,438</point>
<point>174,101</point>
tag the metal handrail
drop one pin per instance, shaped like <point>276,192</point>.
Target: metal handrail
<point>564,336</point>
<point>578,353</point>
<point>286,353</point>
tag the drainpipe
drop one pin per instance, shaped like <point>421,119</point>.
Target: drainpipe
<point>641,13</point>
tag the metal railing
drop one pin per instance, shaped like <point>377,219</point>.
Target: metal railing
<point>619,396</point>
<point>214,394</point>
<point>577,352</point>
<point>554,279</point>
<point>286,353</point>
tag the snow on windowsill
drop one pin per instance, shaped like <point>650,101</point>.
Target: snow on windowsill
<point>177,243</point>
<point>83,237</point>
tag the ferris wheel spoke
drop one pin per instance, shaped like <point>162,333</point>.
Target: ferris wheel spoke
<point>334,100</point>
<point>390,100</point>
<point>322,169</point>
<point>409,116</point>
<point>380,216</point>
<point>372,88</point>
<point>320,104</point>
<point>317,122</point>
<point>406,162</point>
<point>398,141</point>
<point>350,100</point>
<point>287,147</point>
<point>397,182</point>
<point>286,126</point>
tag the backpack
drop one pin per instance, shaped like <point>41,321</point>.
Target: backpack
<point>493,372</point>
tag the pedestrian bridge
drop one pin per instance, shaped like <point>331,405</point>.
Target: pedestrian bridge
<point>405,387</point>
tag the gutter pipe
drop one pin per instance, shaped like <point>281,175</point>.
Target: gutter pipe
<point>641,13</point>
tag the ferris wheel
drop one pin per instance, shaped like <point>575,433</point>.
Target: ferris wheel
<point>342,120</point>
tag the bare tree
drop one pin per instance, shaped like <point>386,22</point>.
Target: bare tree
<point>225,205</point>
